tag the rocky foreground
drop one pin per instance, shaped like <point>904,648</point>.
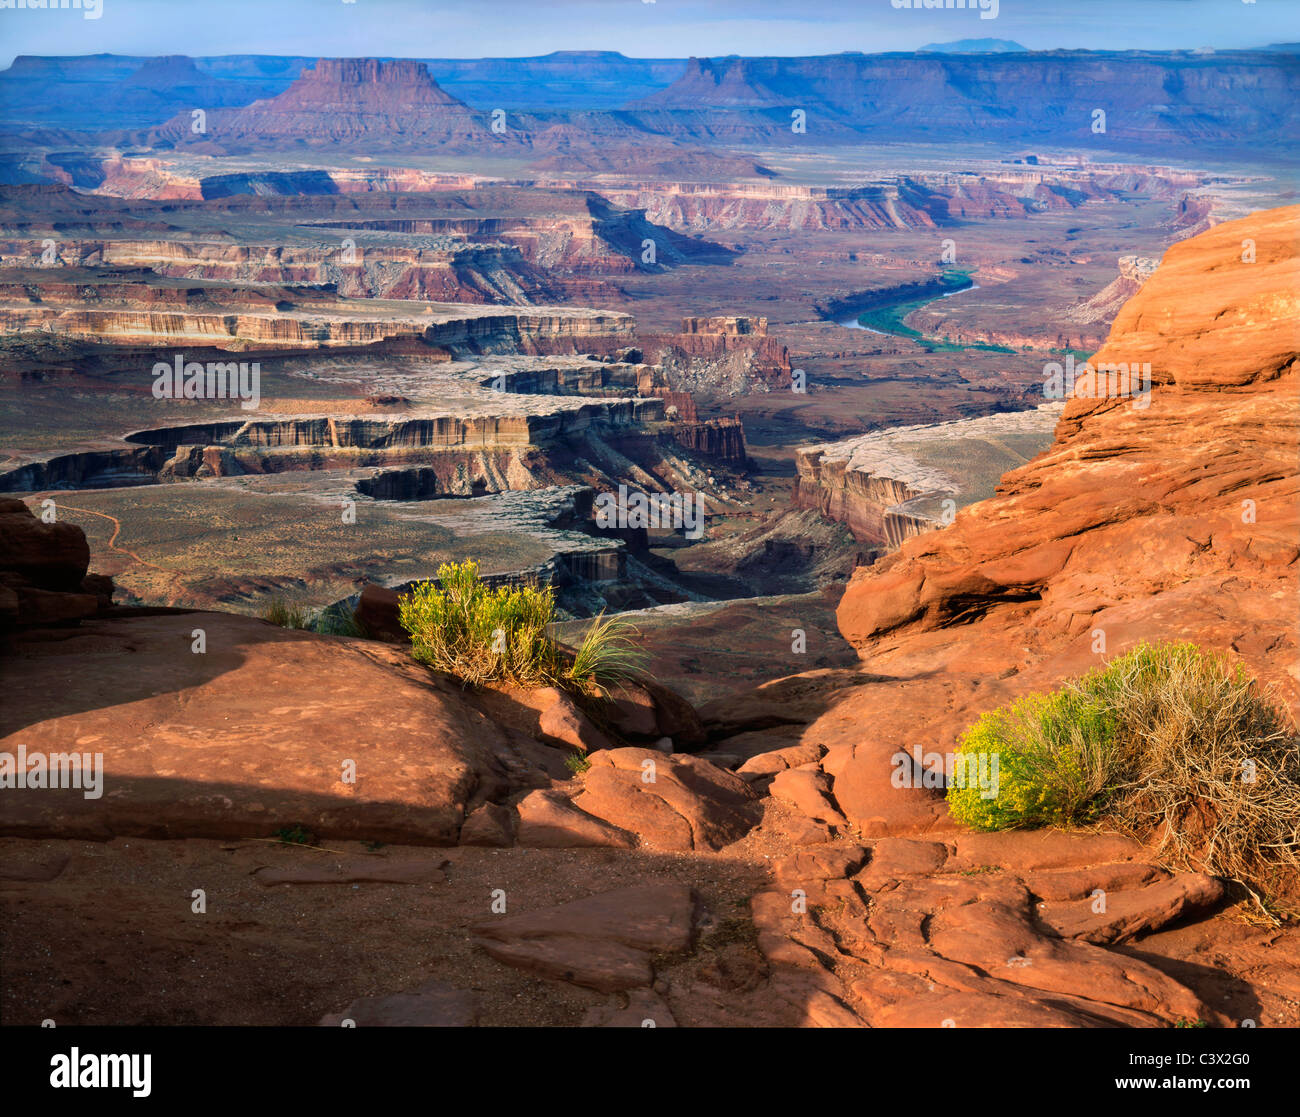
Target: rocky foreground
<point>297,828</point>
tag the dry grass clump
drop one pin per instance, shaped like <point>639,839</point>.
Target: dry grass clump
<point>286,616</point>
<point>1168,743</point>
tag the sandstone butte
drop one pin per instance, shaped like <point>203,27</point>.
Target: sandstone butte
<point>1130,525</point>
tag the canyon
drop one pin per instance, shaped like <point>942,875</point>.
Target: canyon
<point>470,298</point>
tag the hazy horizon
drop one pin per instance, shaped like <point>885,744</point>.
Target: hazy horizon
<point>635,28</point>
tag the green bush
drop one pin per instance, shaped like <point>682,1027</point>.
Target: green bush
<point>467,629</point>
<point>1055,753</point>
<point>1167,743</point>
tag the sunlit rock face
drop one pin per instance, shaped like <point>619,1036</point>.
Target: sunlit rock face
<point>1176,519</point>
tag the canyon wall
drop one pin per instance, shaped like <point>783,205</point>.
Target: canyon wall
<point>1176,520</point>
<point>723,354</point>
<point>891,485</point>
<point>1150,98</point>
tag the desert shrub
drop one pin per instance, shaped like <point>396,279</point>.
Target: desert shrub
<point>477,633</point>
<point>1055,754</point>
<point>286,616</point>
<point>465,628</point>
<point>1169,744</point>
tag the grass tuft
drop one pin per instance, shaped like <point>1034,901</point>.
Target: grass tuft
<point>577,763</point>
<point>286,616</point>
<point>607,655</point>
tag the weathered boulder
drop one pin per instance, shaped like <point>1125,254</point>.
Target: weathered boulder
<point>1119,915</point>
<point>562,723</point>
<point>491,824</point>
<point>808,792</point>
<point>670,802</point>
<point>549,820</point>
<point>43,579</point>
<point>264,728</point>
<point>49,556</point>
<point>645,710</point>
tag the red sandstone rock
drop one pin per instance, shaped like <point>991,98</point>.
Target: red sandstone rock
<point>50,556</point>
<point>1117,916</point>
<point>808,792</point>
<point>562,723</point>
<point>549,820</point>
<point>670,802</point>
<point>250,736</point>
<point>645,710</point>
<point>489,825</point>
<point>1173,521</point>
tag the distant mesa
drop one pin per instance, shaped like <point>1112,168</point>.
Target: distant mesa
<point>945,96</point>
<point>363,80</point>
<point>345,99</point>
<point>975,46</point>
<point>167,72</point>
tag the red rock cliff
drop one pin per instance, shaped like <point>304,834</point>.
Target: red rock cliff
<point>1177,519</point>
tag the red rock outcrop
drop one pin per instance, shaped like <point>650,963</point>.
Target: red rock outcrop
<point>43,579</point>
<point>1174,520</point>
<point>176,704</point>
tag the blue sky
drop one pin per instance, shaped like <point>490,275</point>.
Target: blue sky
<point>662,28</point>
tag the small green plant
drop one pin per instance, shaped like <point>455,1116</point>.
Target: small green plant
<point>296,835</point>
<point>577,762</point>
<point>1169,744</point>
<point>478,633</point>
<point>462,626</point>
<point>374,846</point>
<point>607,655</point>
<point>1183,1022</point>
<point>286,616</point>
